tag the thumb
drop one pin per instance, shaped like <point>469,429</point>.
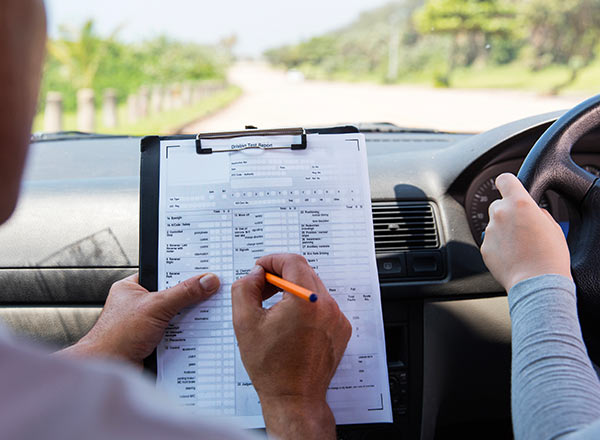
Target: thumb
<point>247,297</point>
<point>187,293</point>
<point>510,186</point>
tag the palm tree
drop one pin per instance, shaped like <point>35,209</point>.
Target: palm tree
<point>80,53</point>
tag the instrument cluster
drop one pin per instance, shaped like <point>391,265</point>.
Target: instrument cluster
<point>482,192</point>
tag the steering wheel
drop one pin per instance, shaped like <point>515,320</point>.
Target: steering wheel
<point>549,166</point>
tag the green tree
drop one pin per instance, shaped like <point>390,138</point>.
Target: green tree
<point>362,49</point>
<point>81,58</point>
<point>471,24</point>
<point>80,53</point>
<point>563,32</point>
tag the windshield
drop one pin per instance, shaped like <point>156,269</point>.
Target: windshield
<point>150,67</point>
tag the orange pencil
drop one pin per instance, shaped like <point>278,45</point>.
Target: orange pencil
<point>290,287</point>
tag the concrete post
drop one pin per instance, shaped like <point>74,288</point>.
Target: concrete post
<point>109,108</point>
<point>156,99</point>
<point>176,96</point>
<point>53,112</point>
<point>186,94</point>
<point>132,108</point>
<point>394,48</point>
<point>196,92</point>
<point>86,112</point>
<point>167,98</point>
<point>143,101</point>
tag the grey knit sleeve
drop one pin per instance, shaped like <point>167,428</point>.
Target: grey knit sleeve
<point>555,390</point>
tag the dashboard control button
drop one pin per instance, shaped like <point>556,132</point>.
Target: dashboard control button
<point>392,266</point>
<point>425,264</point>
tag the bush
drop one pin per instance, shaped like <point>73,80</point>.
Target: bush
<point>81,59</point>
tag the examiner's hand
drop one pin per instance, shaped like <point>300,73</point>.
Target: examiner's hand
<point>522,240</point>
<point>133,320</point>
<point>291,350</point>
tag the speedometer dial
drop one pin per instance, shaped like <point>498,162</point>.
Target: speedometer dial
<point>479,199</point>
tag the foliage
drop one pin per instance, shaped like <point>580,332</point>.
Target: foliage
<point>361,48</point>
<point>564,32</point>
<point>485,17</point>
<point>438,38</point>
<point>81,58</point>
<point>470,23</point>
<point>80,53</point>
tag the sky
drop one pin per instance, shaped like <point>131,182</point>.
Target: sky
<point>258,24</point>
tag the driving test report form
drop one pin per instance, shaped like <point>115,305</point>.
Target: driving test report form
<point>219,213</point>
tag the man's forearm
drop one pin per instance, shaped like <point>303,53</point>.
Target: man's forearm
<point>81,349</point>
<point>86,349</point>
<point>291,418</point>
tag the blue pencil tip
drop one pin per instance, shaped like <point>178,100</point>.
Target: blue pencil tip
<point>313,297</point>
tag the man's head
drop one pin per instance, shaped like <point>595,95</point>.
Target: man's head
<point>22,46</point>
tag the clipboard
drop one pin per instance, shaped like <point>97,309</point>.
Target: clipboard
<point>149,190</point>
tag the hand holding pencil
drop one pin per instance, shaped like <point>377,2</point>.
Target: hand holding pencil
<point>288,286</point>
<point>301,344</point>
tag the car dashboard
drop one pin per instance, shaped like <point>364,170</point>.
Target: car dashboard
<point>75,232</point>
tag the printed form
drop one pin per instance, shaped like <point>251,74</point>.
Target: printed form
<point>219,213</point>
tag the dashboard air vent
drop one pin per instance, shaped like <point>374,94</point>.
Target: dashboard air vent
<point>404,226</point>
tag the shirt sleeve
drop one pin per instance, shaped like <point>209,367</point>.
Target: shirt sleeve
<point>555,390</point>
<point>50,397</point>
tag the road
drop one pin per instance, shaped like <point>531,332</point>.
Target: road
<point>273,98</point>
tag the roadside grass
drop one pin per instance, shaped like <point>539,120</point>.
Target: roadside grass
<point>515,76</point>
<point>318,74</point>
<point>165,122</point>
<point>519,76</point>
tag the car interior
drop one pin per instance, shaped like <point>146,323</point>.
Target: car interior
<point>447,325</point>
<point>497,81</point>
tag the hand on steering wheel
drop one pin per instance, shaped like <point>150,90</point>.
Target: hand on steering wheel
<point>549,166</point>
<point>522,240</point>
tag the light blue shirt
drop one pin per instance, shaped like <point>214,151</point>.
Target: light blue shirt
<point>555,390</point>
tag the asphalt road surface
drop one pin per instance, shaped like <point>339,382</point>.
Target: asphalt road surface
<point>274,98</point>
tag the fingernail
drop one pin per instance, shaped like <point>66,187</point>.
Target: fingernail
<point>256,270</point>
<point>209,282</point>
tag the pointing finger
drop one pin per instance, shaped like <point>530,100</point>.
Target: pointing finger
<point>247,297</point>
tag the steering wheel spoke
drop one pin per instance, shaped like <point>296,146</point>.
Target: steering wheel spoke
<point>549,165</point>
<point>573,182</point>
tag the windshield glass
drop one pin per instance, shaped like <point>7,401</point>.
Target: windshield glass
<point>151,67</point>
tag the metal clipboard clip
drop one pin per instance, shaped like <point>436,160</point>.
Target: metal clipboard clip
<point>252,132</point>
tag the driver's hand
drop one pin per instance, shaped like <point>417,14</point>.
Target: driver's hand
<point>291,350</point>
<point>522,240</point>
<point>133,320</point>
